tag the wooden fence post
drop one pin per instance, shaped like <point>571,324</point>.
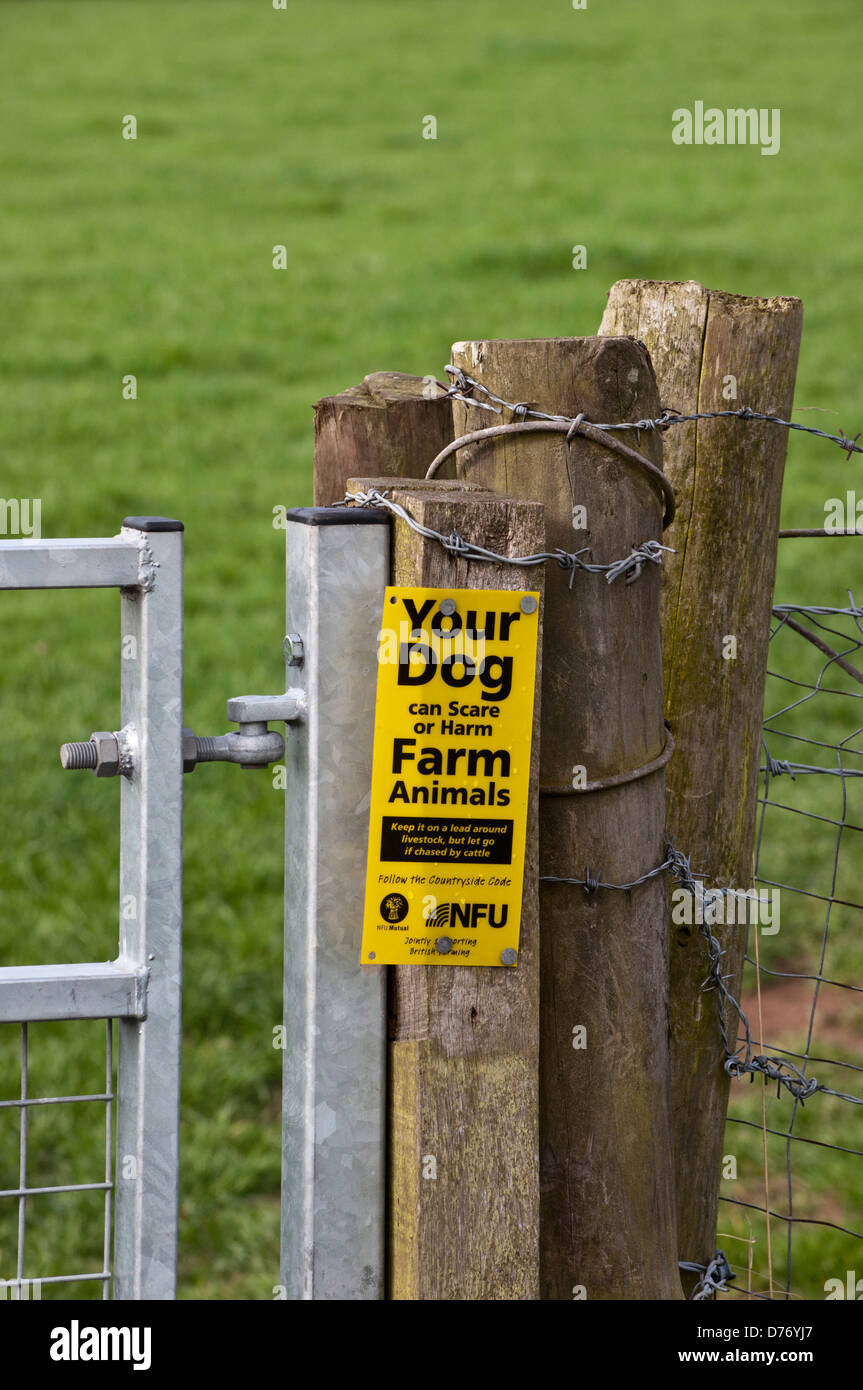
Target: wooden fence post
<point>464,1050</point>
<point>391,424</point>
<point>607,1225</point>
<point>713,351</point>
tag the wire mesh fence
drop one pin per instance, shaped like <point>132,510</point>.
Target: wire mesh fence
<point>791,1219</point>
<point>56,1218</point>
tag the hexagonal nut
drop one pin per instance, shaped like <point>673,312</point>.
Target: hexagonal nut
<point>190,751</point>
<point>107,754</point>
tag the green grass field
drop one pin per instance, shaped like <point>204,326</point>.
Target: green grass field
<point>153,257</point>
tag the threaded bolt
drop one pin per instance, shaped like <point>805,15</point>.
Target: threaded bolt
<point>76,756</point>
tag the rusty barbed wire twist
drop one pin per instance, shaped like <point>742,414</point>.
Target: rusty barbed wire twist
<point>632,565</point>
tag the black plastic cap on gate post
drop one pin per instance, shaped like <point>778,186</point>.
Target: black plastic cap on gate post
<point>152,523</point>
<point>337,516</point>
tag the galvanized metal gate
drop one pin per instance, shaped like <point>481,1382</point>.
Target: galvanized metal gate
<point>334,1059</point>
<point>141,988</point>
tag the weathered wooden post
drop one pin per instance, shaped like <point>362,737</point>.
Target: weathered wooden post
<point>391,424</point>
<point>607,1225</point>
<point>463,1187</point>
<point>713,351</point>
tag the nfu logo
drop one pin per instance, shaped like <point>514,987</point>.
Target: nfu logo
<point>467,915</point>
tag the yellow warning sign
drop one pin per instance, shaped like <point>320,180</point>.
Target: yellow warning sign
<point>450,777</point>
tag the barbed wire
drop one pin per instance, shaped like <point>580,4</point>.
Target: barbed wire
<point>594,881</point>
<point>464,385</point>
<point>713,1277</point>
<point>632,565</point>
<point>852,611</point>
<point>775,1069</point>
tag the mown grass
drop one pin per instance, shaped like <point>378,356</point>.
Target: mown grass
<point>303,128</point>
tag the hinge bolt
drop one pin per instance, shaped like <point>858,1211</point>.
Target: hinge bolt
<point>294,650</point>
<point>106,754</point>
<point>76,756</point>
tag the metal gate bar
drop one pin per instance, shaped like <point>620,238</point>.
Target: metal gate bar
<point>151,924</point>
<point>142,987</point>
<point>333,1161</point>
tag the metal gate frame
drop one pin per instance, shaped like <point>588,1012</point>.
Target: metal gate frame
<point>141,988</point>
<point>334,1071</point>
<point>334,1081</point>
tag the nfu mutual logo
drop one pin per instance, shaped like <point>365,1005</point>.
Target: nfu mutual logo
<point>734,126</point>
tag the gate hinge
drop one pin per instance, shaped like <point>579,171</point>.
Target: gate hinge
<point>253,745</point>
